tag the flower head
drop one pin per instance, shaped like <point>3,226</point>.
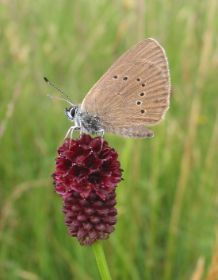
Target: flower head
<point>86,175</point>
<point>86,165</point>
<point>90,219</point>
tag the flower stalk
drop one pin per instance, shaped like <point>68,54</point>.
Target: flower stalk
<point>101,261</point>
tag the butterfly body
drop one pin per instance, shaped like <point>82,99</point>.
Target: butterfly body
<point>84,121</point>
<point>92,124</point>
<point>131,96</point>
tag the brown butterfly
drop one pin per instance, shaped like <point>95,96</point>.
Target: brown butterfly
<point>132,95</point>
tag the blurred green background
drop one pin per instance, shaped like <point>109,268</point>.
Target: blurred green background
<point>168,203</point>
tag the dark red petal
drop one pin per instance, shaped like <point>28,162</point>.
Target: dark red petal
<point>84,165</point>
<point>92,162</point>
<point>97,144</point>
<point>85,139</point>
<point>90,219</point>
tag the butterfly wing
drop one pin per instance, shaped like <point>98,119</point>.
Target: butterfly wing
<point>133,93</point>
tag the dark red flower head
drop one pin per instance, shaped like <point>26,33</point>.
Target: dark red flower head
<point>86,175</point>
<point>86,165</point>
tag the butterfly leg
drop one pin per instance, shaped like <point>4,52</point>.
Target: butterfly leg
<point>81,131</point>
<point>101,133</point>
<point>70,131</point>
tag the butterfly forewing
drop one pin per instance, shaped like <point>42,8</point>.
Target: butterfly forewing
<point>133,92</point>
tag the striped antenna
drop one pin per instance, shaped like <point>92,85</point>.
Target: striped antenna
<point>66,97</point>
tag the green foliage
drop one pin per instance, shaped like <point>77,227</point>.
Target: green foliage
<point>168,201</point>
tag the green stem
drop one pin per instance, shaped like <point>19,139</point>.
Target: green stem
<point>101,261</point>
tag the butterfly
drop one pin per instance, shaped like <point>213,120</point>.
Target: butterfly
<point>130,97</point>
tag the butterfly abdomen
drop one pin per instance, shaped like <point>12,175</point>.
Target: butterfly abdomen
<point>90,123</point>
<point>133,132</point>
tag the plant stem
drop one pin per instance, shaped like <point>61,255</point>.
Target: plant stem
<point>101,261</point>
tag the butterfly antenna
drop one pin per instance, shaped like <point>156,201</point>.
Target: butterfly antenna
<point>60,98</point>
<point>67,98</point>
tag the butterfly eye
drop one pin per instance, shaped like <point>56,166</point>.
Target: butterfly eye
<point>70,113</point>
<point>115,76</point>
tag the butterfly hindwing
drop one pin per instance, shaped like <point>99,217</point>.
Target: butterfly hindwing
<point>134,91</point>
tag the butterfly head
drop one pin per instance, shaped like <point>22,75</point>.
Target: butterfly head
<point>71,112</point>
